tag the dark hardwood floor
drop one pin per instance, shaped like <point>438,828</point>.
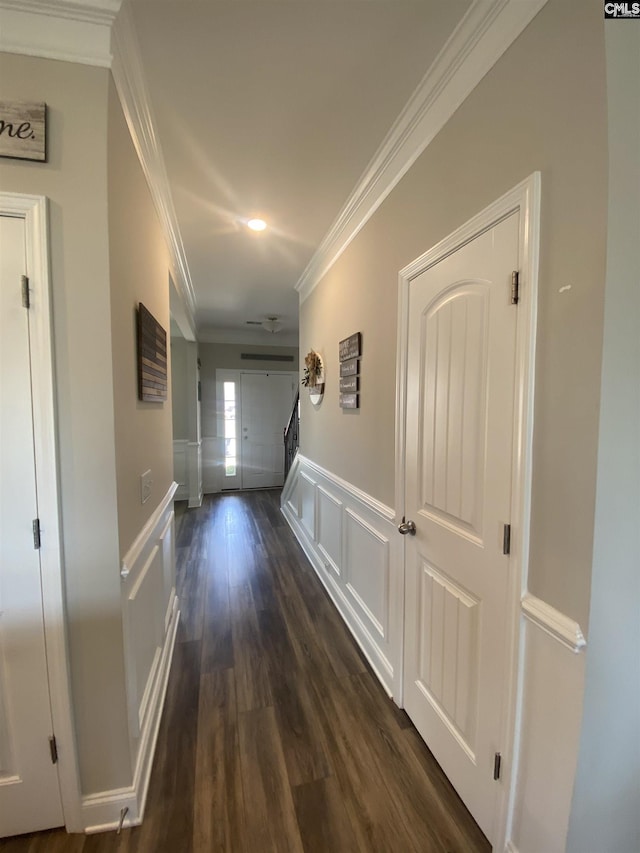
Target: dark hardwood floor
<point>276,735</point>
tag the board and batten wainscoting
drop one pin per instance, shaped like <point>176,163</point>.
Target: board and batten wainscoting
<point>150,618</point>
<point>352,542</point>
<point>552,666</point>
<point>187,470</point>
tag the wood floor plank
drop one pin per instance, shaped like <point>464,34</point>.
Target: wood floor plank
<point>322,818</point>
<point>275,736</point>
<point>305,747</point>
<point>410,789</point>
<point>270,814</point>
<point>251,668</point>
<point>218,823</point>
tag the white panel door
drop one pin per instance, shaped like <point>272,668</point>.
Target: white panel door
<point>266,401</point>
<point>29,789</point>
<point>460,392</point>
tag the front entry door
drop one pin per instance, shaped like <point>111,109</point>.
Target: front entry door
<point>266,401</point>
<point>459,436</point>
<point>29,789</point>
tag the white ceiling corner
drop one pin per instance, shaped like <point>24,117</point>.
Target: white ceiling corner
<point>59,29</point>
<point>482,36</point>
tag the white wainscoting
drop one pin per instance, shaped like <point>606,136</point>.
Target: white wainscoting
<point>150,619</point>
<point>553,666</point>
<point>194,472</point>
<point>180,468</point>
<point>187,470</point>
<point>212,453</point>
<point>352,543</point>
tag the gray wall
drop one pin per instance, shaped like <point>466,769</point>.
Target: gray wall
<point>542,107</point>
<point>608,777</point>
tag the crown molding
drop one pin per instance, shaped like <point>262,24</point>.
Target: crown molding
<point>482,36</point>
<point>130,82</point>
<point>69,30</point>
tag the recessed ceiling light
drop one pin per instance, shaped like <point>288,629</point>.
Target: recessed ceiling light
<point>256,224</point>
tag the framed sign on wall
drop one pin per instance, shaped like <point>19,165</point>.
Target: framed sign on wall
<point>350,351</point>
<point>152,358</point>
<point>23,130</point>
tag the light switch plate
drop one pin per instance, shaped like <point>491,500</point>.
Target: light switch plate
<point>145,486</point>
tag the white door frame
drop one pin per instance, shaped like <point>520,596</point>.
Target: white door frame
<point>34,211</point>
<point>525,197</point>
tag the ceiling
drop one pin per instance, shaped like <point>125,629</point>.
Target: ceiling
<point>274,109</point>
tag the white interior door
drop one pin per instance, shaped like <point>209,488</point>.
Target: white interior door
<point>29,787</point>
<point>459,437</point>
<point>266,401</point>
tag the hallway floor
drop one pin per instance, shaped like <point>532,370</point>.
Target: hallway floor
<point>276,736</point>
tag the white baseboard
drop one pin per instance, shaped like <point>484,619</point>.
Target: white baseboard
<point>101,812</point>
<point>351,541</point>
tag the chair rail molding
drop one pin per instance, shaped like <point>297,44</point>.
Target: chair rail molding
<point>559,626</point>
<point>486,31</point>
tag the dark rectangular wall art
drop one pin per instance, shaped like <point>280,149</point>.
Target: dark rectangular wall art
<point>152,358</point>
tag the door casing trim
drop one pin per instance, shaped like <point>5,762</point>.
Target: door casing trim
<point>525,198</point>
<point>33,210</point>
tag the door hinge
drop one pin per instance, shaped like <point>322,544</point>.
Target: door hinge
<point>506,539</point>
<point>497,766</point>
<point>53,746</point>
<point>36,533</point>
<point>26,300</point>
<point>515,287</point>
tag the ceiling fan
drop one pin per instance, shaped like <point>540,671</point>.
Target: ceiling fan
<point>271,324</point>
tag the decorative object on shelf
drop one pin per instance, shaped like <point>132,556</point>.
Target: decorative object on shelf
<point>313,377</point>
<point>350,350</point>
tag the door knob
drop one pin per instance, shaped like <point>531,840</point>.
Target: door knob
<point>407,527</point>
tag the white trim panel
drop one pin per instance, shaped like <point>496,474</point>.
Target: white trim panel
<point>101,812</point>
<point>352,542</point>
<point>548,737</point>
<point>180,469</point>
<point>483,35</point>
<point>194,473</point>
<point>150,617</point>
